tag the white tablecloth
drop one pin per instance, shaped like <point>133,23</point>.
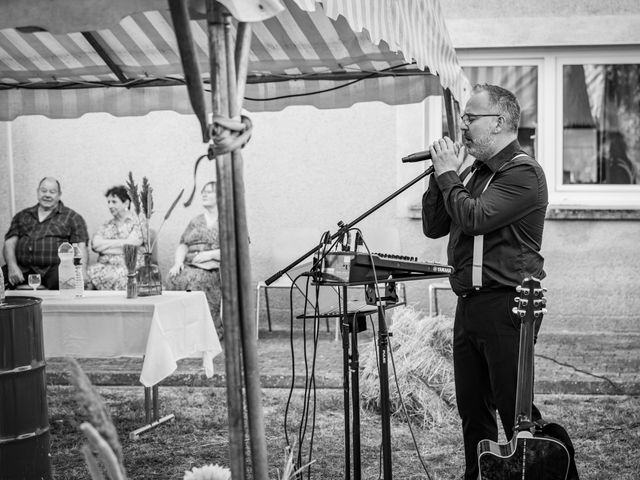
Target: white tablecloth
<point>164,328</point>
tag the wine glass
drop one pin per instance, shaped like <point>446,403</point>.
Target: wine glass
<point>34,281</point>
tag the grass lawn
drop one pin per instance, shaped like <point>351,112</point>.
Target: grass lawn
<point>605,431</point>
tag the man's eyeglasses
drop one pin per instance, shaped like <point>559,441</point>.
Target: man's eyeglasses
<point>469,118</point>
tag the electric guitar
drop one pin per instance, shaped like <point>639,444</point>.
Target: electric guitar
<point>538,450</point>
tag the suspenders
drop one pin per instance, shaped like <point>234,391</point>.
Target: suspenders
<point>478,240</point>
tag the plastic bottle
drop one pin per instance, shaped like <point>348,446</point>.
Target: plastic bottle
<point>66,271</point>
<point>77,265</point>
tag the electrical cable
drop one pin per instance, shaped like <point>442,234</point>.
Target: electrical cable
<point>293,361</point>
<point>317,92</point>
<point>309,388</point>
<point>406,414</point>
<point>382,319</point>
<point>307,422</point>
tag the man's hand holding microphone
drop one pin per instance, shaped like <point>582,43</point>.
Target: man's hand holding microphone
<point>446,155</point>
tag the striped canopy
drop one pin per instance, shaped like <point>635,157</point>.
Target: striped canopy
<point>63,60</point>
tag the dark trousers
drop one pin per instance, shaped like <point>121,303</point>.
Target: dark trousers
<point>48,280</point>
<point>486,338</point>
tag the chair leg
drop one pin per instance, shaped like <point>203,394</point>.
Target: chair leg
<point>258,310</point>
<point>430,300</point>
<point>266,299</point>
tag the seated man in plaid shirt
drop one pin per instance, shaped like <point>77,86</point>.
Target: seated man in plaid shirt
<point>31,244</point>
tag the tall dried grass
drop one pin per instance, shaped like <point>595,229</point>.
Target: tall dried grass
<point>102,437</point>
<point>420,369</point>
<point>103,452</point>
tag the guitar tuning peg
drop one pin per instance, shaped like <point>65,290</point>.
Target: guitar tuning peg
<point>515,310</point>
<point>544,289</point>
<point>544,311</point>
<point>517,299</point>
<point>519,288</point>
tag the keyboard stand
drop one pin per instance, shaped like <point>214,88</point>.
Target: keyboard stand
<point>351,323</point>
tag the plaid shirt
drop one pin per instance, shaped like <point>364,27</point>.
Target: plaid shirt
<point>38,242</point>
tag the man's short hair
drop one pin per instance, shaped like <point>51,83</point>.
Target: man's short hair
<point>53,179</point>
<point>505,101</point>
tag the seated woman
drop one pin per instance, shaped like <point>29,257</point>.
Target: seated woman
<point>197,257</point>
<point>110,273</point>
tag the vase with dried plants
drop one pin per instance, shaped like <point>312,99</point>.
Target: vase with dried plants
<point>148,278</point>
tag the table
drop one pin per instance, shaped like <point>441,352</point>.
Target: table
<point>161,328</point>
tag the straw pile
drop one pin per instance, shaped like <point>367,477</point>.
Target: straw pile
<point>421,351</point>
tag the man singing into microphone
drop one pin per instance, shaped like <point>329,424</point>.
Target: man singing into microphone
<point>500,201</point>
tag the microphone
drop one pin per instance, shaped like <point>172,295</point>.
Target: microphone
<point>417,157</point>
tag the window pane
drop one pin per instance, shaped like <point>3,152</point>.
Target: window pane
<point>522,81</point>
<point>601,124</point>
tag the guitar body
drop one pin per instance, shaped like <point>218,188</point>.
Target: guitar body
<point>525,457</point>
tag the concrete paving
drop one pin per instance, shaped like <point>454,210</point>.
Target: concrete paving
<point>565,363</point>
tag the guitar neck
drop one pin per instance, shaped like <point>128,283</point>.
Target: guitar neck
<point>530,310</point>
<point>524,391</point>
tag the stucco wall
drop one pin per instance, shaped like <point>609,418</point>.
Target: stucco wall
<point>593,270</point>
<point>523,23</point>
<point>306,169</point>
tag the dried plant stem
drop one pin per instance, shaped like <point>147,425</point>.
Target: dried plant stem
<point>166,217</point>
<point>106,455</point>
<point>92,463</point>
<point>130,257</point>
<point>130,260</point>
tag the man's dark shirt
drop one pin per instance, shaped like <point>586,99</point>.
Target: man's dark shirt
<point>38,242</point>
<point>510,214</point>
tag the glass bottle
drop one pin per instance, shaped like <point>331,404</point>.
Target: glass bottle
<point>148,278</point>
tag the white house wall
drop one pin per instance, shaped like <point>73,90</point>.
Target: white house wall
<point>543,23</point>
<point>305,170</point>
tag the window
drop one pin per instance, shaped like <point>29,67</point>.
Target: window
<point>596,128</point>
<point>600,124</point>
<point>580,118</point>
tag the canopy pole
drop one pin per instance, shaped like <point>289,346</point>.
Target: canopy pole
<point>452,110</point>
<point>243,48</point>
<point>228,258</point>
<point>255,415</point>
<point>189,59</point>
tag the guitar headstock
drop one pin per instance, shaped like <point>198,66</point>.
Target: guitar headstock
<point>531,302</point>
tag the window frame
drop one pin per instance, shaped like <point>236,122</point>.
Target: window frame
<point>608,195</point>
<point>549,134</point>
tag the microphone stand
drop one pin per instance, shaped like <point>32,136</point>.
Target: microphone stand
<point>383,342</point>
<point>345,227</point>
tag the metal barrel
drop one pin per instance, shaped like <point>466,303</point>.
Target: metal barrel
<point>24,419</point>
